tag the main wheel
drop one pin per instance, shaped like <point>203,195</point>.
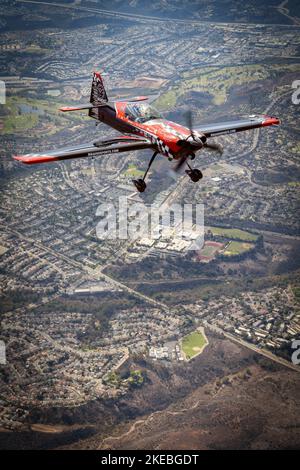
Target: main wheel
<point>195,174</point>
<point>140,185</point>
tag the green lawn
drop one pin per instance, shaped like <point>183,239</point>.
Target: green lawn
<point>193,343</point>
<point>17,122</point>
<point>235,248</point>
<point>233,233</point>
<point>133,172</point>
<point>218,81</point>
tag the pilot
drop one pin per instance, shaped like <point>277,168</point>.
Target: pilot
<point>145,111</point>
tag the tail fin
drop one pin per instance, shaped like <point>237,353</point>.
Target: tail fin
<point>98,93</point>
<point>98,98</point>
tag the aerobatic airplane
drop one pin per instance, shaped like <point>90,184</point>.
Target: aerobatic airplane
<point>142,127</point>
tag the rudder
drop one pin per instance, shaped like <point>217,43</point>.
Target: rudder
<point>98,93</point>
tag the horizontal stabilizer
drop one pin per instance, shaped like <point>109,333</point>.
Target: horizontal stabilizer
<point>137,98</point>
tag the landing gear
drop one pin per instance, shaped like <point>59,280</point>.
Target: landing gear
<point>140,183</point>
<point>194,174</point>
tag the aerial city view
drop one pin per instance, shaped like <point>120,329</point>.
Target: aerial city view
<point>162,335</point>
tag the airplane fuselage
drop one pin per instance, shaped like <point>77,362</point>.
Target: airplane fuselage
<point>163,133</point>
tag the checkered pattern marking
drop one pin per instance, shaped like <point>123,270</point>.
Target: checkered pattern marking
<point>163,148</point>
<point>173,131</point>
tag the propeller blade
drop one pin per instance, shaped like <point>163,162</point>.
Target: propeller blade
<point>180,163</point>
<point>215,147</point>
<point>189,121</point>
<point>195,141</point>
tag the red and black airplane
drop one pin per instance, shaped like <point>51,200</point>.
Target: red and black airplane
<point>143,127</point>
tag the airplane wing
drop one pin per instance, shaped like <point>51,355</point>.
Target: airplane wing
<point>230,127</point>
<point>125,143</point>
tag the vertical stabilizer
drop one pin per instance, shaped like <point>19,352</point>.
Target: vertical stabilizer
<point>98,93</point>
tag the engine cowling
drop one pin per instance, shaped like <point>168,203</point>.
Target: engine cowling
<point>193,140</point>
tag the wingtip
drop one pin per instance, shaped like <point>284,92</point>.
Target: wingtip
<point>17,157</point>
<point>65,109</point>
<point>271,121</point>
<point>32,159</point>
<point>22,158</point>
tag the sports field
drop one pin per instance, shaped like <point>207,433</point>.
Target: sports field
<point>193,344</point>
<point>210,249</point>
<point>235,248</point>
<point>233,233</point>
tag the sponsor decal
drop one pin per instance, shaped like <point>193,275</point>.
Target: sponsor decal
<point>100,152</point>
<point>231,131</point>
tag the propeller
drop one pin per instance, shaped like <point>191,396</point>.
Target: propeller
<point>180,163</point>
<point>214,147</point>
<point>195,141</point>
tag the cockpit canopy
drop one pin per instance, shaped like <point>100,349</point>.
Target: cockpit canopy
<point>141,112</point>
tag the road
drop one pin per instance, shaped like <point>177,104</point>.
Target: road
<point>97,274</point>
<point>262,352</point>
<point>282,8</point>
<point>256,132</point>
<point>151,19</point>
<point>167,203</point>
<point>92,273</point>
